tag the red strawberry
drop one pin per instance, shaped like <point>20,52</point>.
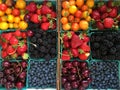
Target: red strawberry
<point>4,45</point>
<point>53,26</point>
<point>44,19</point>
<point>38,11</point>
<point>108,22</point>
<point>31,7</point>
<point>67,35</point>
<point>7,36</point>
<point>14,40</point>
<point>45,26</point>
<point>84,56</point>
<point>35,18</point>
<point>74,52</point>
<point>103,8</point>
<point>52,15</point>
<point>75,41</point>
<point>66,44</point>
<point>95,15</point>
<point>17,33</point>
<point>24,35</point>
<point>104,15</point>
<point>4,54</point>
<point>65,55</point>
<point>85,47</point>
<point>99,25</point>
<point>45,10</point>
<point>113,13</point>
<point>86,39</point>
<point>22,49</point>
<point>10,50</point>
<point>29,33</point>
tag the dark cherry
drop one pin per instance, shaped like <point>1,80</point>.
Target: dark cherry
<point>6,64</point>
<point>19,85</point>
<point>22,75</point>
<point>64,70</point>
<point>17,70</point>
<point>7,71</point>
<point>89,79</point>
<point>84,83</point>
<point>29,33</point>
<point>75,84</point>
<point>1,74</point>
<point>81,88</point>
<point>72,77</point>
<point>67,86</point>
<point>68,65</point>
<point>24,64</point>
<point>74,70</point>
<point>86,73</point>
<point>11,78</point>
<point>76,63</point>
<point>64,79</point>
<point>27,17</point>
<point>83,64</point>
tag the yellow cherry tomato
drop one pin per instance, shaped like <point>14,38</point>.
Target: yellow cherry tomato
<point>10,25</point>
<point>23,25</point>
<point>8,11</point>
<point>20,4</point>
<point>72,9</point>
<point>85,14</point>
<point>16,19</point>
<point>10,18</point>
<point>15,25</point>
<point>3,25</point>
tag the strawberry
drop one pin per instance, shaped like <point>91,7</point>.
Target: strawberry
<point>113,13</point>
<point>52,15</point>
<point>38,11</point>
<point>84,56</point>
<point>67,36</point>
<point>86,39</point>
<point>45,26</point>
<point>4,45</point>
<point>100,25</point>
<point>10,50</point>
<point>74,52</point>
<point>108,22</point>
<point>95,15</point>
<point>66,44</point>
<point>35,18</point>
<point>17,33</point>
<point>65,55</point>
<point>76,41</point>
<point>24,35</point>
<point>53,26</point>
<point>104,15</point>
<point>44,19</point>
<point>25,56</point>
<point>31,7</point>
<point>21,49</point>
<point>4,54</point>
<point>14,40</point>
<point>103,8</point>
<point>8,36</point>
<point>85,47</point>
<point>45,10</point>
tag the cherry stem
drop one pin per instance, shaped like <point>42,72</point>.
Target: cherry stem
<point>79,73</point>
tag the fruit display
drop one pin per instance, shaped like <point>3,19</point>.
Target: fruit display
<point>75,45</point>
<point>12,15</point>
<point>105,15</point>
<point>103,72</point>
<point>105,46</point>
<point>75,75</point>
<point>14,45</point>
<point>42,14</point>
<point>13,74</point>
<point>75,14</point>
<point>42,74</point>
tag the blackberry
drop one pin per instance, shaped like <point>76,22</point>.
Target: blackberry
<point>33,39</point>
<point>52,50</point>
<point>37,35</point>
<point>96,45</point>
<point>39,41</point>
<point>42,49</point>
<point>113,50</point>
<point>47,57</point>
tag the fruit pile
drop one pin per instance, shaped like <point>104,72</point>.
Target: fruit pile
<point>75,75</point>
<point>43,44</point>
<point>13,74</point>
<point>14,44</point>
<point>42,14</point>
<point>76,14</point>
<point>105,45</point>
<point>12,15</point>
<point>106,15</point>
<point>42,74</point>
<point>105,75</point>
<point>75,45</point>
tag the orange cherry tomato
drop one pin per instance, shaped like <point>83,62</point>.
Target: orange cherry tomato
<point>71,18</point>
<point>65,4</point>
<point>64,20</point>
<point>65,13</point>
<point>75,26</point>
<point>66,26</point>
<point>77,20</point>
<point>78,14</point>
<point>84,8</point>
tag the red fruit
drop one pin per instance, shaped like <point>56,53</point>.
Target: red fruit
<point>113,13</point>
<point>29,33</point>
<point>24,64</point>
<point>85,83</point>
<point>76,41</point>
<point>75,84</point>
<point>99,25</point>
<point>84,56</point>
<point>4,45</point>
<point>74,70</point>
<point>45,10</point>
<point>31,7</point>
<point>22,49</point>
<point>13,40</point>
<point>104,15</point>
<point>86,39</point>
<point>64,70</point>
<point>65,55</point>
<point>68,65</point>
<point>35,18</point>
<point>16,12</point>
<point>95,15</point>
<point>54,25</point>
<point>53,14</point>
<point>3,7</point>
<point>108,22</point>
<point>103,8</point>
<point>45,26</point>
<point>38,11</point>
<point>6,64</point>
<point>75,63</point>
<point>66,44</point>
<point>27,17</point>
<point>85,47</point>
<point>19,85</point>
<point>86,73</point>
<point>22,75</point>
<point>7,36</point>
<point>44,19</point>
<point>78,14</point>
<point>17,33</point>
<point>24,35</point>
<point>83,65</point>
<point>67,36</point>
<point>4,54</point>
<point>74,52</point>
<point>10,50</point>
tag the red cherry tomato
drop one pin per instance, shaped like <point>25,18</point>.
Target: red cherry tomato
<point>3,7</point>
<point>16,12</point>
